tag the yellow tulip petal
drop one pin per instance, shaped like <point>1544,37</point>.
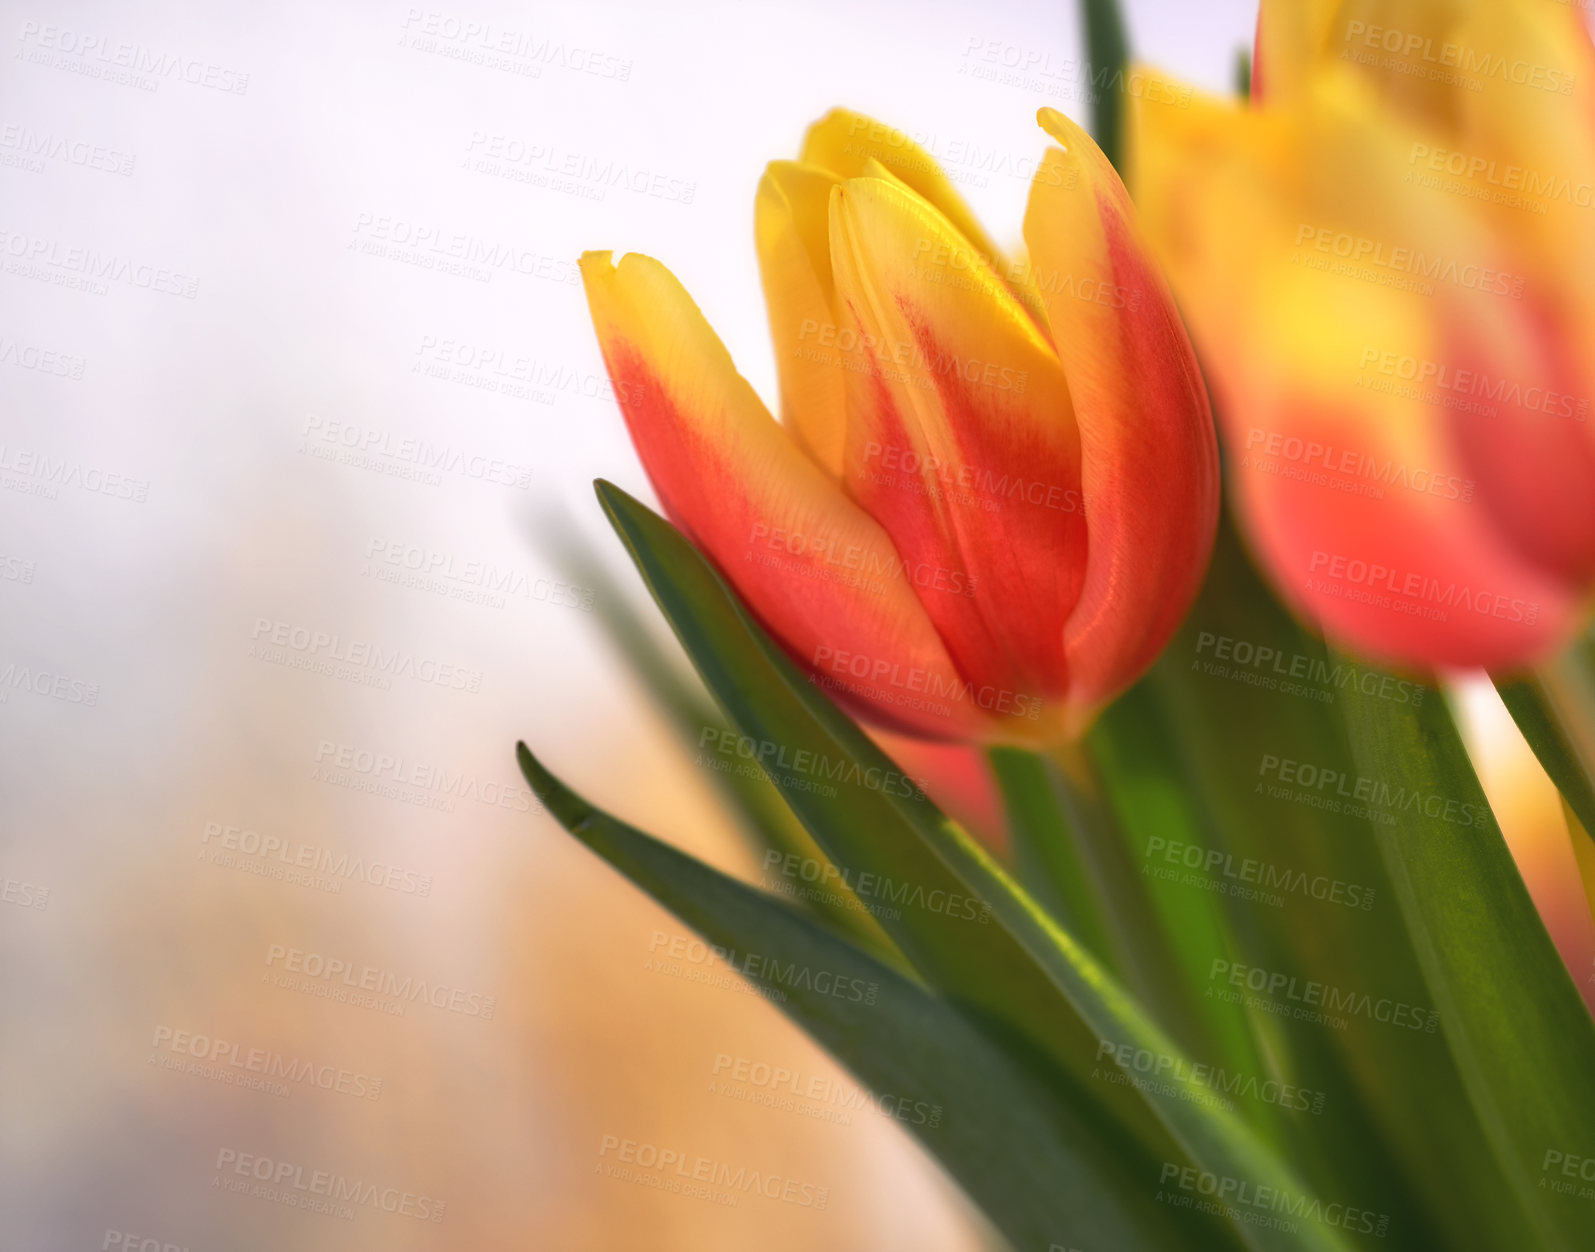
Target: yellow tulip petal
<point>855,146</point>
<point>845,142</point>
<point>1291,37</point>
<point>791,220</point>
<point>960,438</point>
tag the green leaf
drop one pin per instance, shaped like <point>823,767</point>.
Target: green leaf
<point>1304,894</point>
<point>1153,806</point>
<point>1045,1176</point>
<point>1523,1039</point>
<point>1071,853</point>
<point>762,815</point>
<point>1049,863</point>
<point>998,956</point>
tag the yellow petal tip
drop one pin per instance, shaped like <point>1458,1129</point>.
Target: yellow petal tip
<point>1060,126</point>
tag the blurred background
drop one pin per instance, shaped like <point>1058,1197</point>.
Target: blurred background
<point>295,371</point>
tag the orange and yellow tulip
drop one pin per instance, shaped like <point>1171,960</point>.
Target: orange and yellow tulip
<point>1387,259</point>
<point>993,490</point>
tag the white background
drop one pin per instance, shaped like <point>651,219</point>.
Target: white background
<point>351,127</point>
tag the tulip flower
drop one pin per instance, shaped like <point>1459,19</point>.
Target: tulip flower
<point>1387,259</point>
<point>993,489</point>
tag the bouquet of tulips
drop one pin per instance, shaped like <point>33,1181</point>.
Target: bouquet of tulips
<point>1250,964</point>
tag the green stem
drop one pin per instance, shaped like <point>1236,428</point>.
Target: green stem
<point>1047,858</point>
<point>1108,49</point>
<point>1071,851</point>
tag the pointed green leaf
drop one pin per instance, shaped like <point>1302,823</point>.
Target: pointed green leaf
<point>1522,1037</point>
<point>997,954</point>
<point>762,815</point>
<point>1242,696</point>
<point>1044,1175</point>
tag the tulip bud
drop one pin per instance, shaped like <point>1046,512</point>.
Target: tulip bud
<point>1393,285</point>
<point>994,488</point>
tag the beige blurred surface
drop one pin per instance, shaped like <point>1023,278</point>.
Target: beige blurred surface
<point>232,322</point>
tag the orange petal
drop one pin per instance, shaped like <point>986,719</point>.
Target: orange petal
<point>1303,251</point>
<point>960,439</point>
<point>813,567</point>
<point>1405,575</point>
<point>1148,452</point>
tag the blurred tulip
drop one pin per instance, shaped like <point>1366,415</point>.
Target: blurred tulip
<point>1388,262</point>
<point>994,489</point>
